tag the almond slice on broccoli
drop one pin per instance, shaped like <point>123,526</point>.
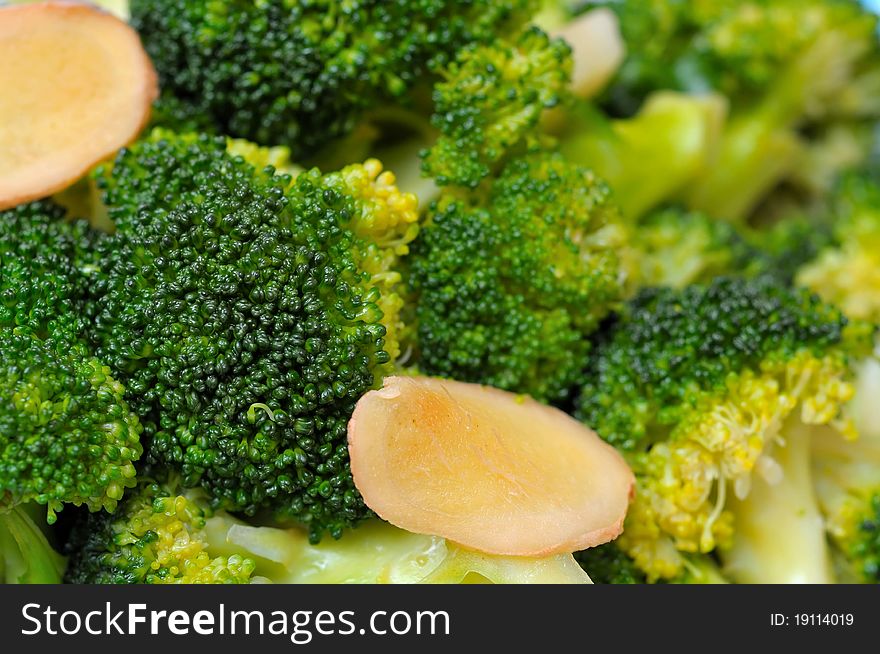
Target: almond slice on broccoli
<point>77,86</point>
<point>492,471</point>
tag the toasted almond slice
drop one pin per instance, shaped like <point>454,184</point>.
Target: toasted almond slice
<point>489,470</point>
<point>77,86</point>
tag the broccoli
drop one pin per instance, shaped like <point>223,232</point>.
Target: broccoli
<point>304,74</point>
<point>164,534</point>
<point>609,564</point>
<point>791,68</point>
<point>694,385</point>
<point>507,281</point>
<point>246,313</point>
<point>488,104</point>
<point>161,534</point>
<point>67,435</point>
<point>674,247</point>
<point>847,271</point>
<point>847,475</point>
<point>650,158</point>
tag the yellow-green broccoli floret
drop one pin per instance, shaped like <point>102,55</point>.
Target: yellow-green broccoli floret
<point>694,386</point>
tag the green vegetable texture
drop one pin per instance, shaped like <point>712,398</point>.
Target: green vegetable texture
<point>508,281</point>
<point>303,73</point>
<point>246,314</point>
<point>694,386</point>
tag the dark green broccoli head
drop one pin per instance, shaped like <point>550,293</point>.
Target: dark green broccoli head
<point>160,534</point>
<point>247,315</point>
<point>694,386</point>
<point>488,104</point>
<point>302,73</point>
<point>66,433</point>
<point>44,266</point>
<point>608,564</point>
<point>511,279</point>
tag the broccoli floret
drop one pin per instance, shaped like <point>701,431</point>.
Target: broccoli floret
<point>676,248</point>
<point>66,432</point>
<point>609,564</point>
<point>650,158</point>
<point>488,104</point>
<point>246,313</point>
<point>507,281</point>
<point>304,73</point>
<point>693,386</point>
<point>847,271</point>
<point>67,435</point>
<point>161,534</point>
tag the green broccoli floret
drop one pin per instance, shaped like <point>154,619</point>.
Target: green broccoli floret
<point>694,385</point>
<point>67,435</point>
<point>791,68</point>
<point>609,564</point>
<point>488,104</point>
<point>847,271</point>
<point>650,158</point>
<point>246,313</point>
<point>304,73</point>
<point>161,534</point>
<point>676,248</point>
<point>507,281</point>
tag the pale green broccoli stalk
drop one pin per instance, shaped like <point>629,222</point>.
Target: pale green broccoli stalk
<point>379,553</point>
<point>694,387</point>
<point>792,69</point>
<point>847,477</point>
<point>648,159</point>
<point>163,534</point>
<point>778,528</point>
<point>26,557</point>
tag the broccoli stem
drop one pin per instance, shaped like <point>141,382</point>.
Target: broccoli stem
<point>779,532</point>
<point>25,554</point>
<point>648,160</point>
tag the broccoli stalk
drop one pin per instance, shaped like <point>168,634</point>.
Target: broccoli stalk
<point>650,158</point>
<point>847,477</point>
<point>778,529</point>
<point>26,557</point>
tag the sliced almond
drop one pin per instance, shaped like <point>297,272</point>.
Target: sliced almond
<point>489,470</point>
<point>77,86</point>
